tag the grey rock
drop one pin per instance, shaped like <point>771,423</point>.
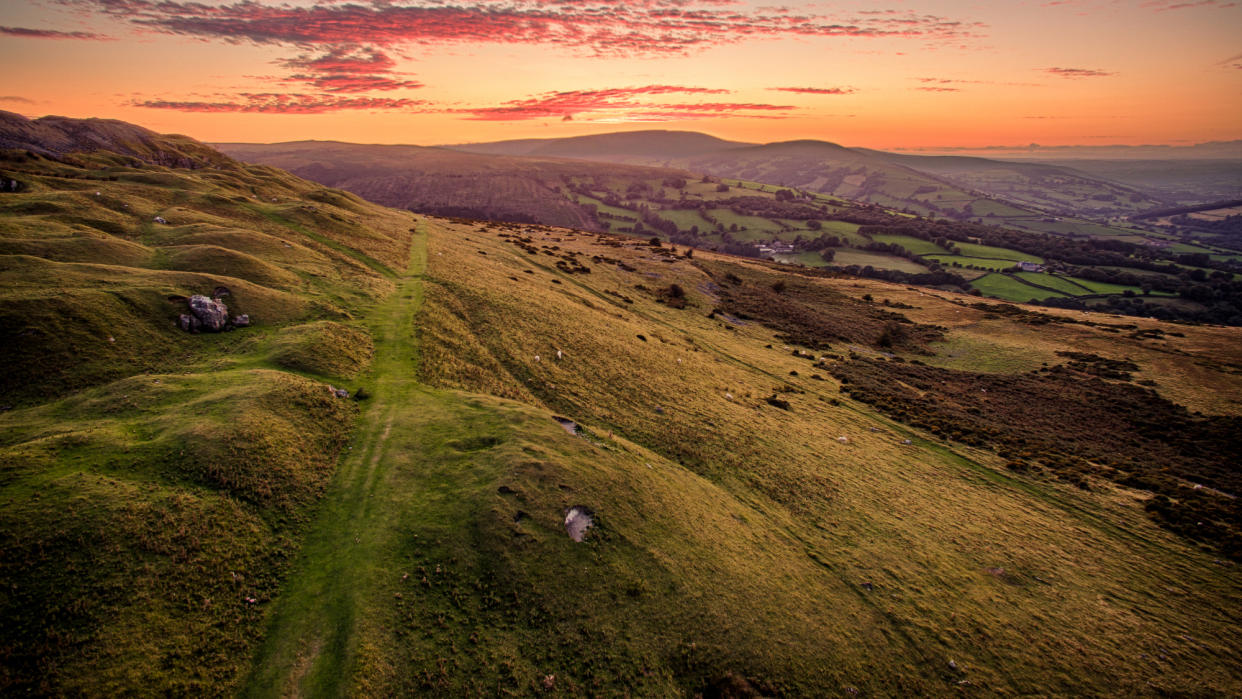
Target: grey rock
<point>242,320</point>
<point>207,315</point>
<point>341,393</point>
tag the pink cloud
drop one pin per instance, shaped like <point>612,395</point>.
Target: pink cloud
<point>630,103</point>
<point>1078,72</point>
<point>600,26</point>
<point>352,83</point>
<point>276,103</point>
<point>816,90</point>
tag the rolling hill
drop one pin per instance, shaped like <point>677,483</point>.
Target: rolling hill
<point>1018,193</point>
<point>445,182</point>
<point>582,463</point>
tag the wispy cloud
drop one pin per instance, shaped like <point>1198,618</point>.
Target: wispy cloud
<point>278,103</point>
<point>1234,62</point>
<point>16,99</point>
<point>938,88</point>
<point>1166,5</point>
<point>52,34</point>
<point>620,104</point>
<point>1078,72</point>
<point>352,83</point>
<point>816,90</point>
<point>347,69</point>
<point>599,26</point>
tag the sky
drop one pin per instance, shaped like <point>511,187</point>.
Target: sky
<point>899,74</point>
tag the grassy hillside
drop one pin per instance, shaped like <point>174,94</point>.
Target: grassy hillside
<point>155,483</point>
<point>710,453</point>
<point>764,518</point>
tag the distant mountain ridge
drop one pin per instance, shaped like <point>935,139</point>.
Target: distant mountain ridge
<point>916,183</point>
<point>629,144</point>
<point>442,181</point>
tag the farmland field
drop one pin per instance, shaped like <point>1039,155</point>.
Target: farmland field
<point>849,256</point>
<point>1010,289</point>
<point>918,246</point>
<point>986,263</point>
<point>976,250</point>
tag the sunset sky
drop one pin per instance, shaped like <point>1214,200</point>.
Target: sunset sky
<point>898,74</point>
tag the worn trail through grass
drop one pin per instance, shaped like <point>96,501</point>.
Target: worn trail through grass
<point>310,644</point>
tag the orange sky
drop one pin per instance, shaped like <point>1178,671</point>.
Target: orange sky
<point>902,74</point>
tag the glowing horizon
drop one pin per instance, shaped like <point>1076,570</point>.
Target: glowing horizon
<point>913,75</point>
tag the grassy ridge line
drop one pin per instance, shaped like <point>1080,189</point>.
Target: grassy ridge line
<point>307,645</point>
<point>325,241</point>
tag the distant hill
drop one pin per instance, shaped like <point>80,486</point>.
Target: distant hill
<point>647,147</point>
<point>960,188</point>
<point>442,181</point>
<point>1055,188</point>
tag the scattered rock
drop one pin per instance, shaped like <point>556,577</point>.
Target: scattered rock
<point>220,292</point>
<point>906,442</point>
<point>160,219</point>
<point>776,402</point>
<point>577,520</point>
<point>868,587</point>
<point>549,682</point>
<point>341,393</point>
<point>206,315</point>
<point>568,425</point>
<point>843,439</point>
<point>242,321</point>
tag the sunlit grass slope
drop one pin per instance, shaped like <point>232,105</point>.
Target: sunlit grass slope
<point>742,544</point>
<point>199,515</point>
<point>154,484</point>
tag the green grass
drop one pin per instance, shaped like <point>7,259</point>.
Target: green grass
<point>849,256</point>
<point>990,251</point>
<point>1065,285</point>
<point>1005,287</point>
<point>844,229</point>
<point>414,543</point>
<point>985,263</point>
<point>1104,287</point>
<point>686,219</point>
<point>918,246</point>
<point>308,645</point>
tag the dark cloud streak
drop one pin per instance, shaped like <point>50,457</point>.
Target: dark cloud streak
<point>52,34</point>
<point>279,103</point>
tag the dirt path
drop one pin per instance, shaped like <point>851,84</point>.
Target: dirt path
<point>310,647</point>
